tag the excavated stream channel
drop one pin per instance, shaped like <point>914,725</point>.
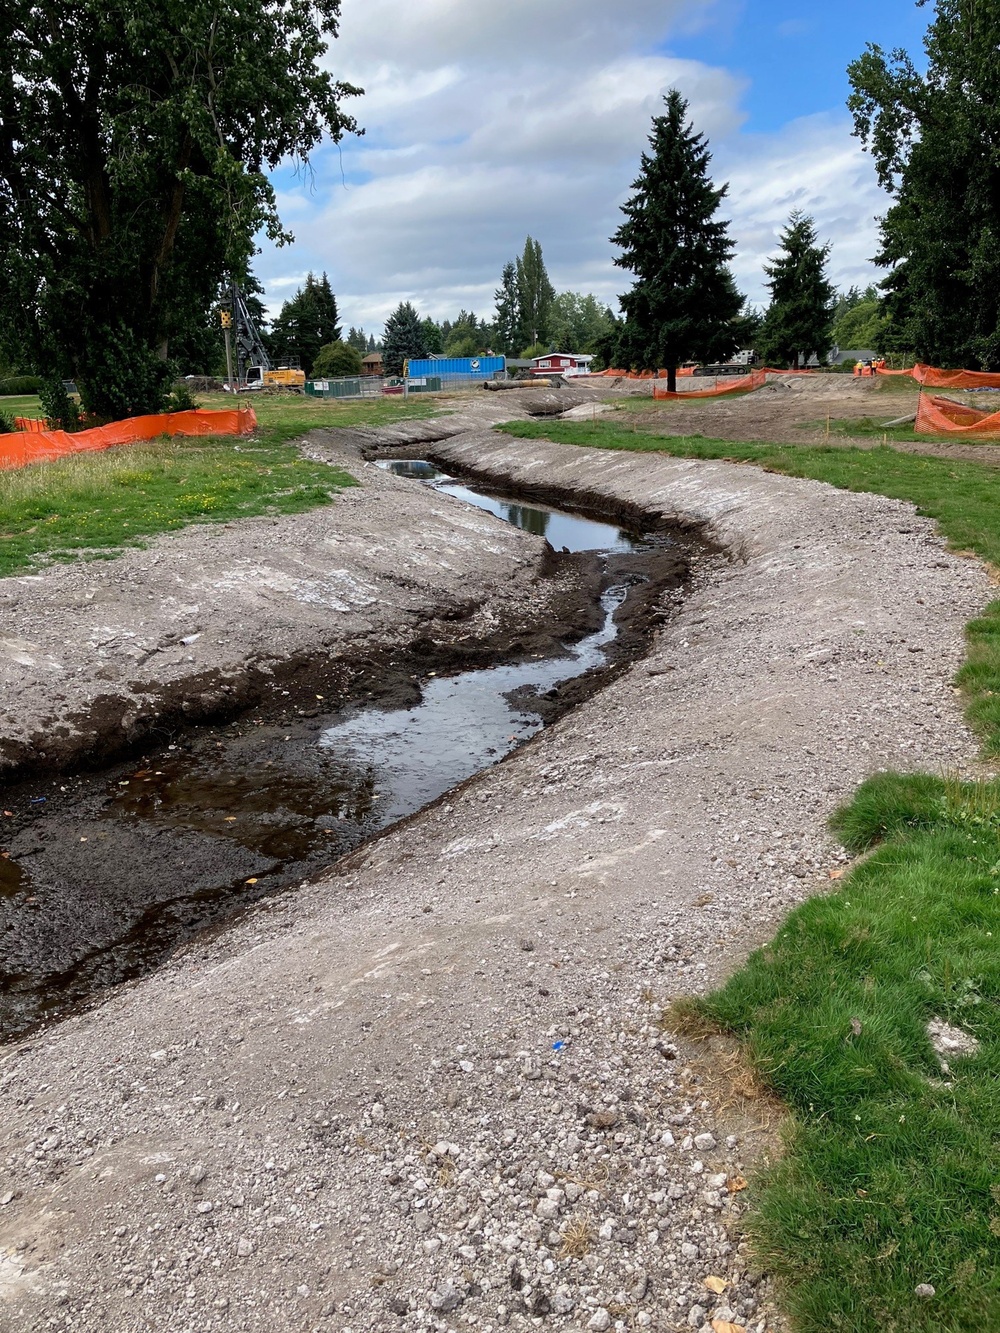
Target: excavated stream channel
<point>104,874</point>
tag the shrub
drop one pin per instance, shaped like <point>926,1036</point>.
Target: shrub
<point>62,412</point>
<point>336,360</point>
<point>20,384</point>
<point>180,399</point>
<point>7,426</point>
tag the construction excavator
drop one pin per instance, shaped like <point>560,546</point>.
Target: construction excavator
<point>253,368</point>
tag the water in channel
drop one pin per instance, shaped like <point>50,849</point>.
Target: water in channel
<point>102,875</point>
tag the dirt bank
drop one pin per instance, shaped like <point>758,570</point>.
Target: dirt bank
<point>431,1091</point>
<point>100,656</point>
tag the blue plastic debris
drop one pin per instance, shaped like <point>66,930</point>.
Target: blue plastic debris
<point>558,1045</point>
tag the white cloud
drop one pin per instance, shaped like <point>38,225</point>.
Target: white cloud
<point>813,164</point>
<point>485,125</point>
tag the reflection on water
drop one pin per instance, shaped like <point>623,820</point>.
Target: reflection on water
<point>563,531</point>
<point>463,724</point>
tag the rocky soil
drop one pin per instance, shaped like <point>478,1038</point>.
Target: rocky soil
<point>436,1090</point>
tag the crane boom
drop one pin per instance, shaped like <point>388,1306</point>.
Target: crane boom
<point>250,349</point>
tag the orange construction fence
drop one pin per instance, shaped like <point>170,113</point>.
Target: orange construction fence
<point>931,377</point>
<point>737,384</point>
<point>37,444</point>
<point>741,384</point>
<point>942,416</point>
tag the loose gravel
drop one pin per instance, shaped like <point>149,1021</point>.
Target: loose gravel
<point>435,1089</point>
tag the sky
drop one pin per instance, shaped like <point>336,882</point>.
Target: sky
<point>488,123</point>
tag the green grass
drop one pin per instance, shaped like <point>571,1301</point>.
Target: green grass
<point>891,1174</point>
<point>94,504</point>
<point>963,497</point>
<point>20,405</point>
<point>288,416</point>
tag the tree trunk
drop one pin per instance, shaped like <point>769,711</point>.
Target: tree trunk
<point>671,379</point>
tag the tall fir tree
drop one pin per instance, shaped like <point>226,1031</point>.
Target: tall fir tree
<point>404,338</point>
<point>433,340</point>
<point>306,323</point>
<point>799,321</point>
<point>684,301</point>
<point>356,338</point>
<point>535,294</point>
<point>506,323</point>
<point>935,138</point>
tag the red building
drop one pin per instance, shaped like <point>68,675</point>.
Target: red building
<point>561,363</point>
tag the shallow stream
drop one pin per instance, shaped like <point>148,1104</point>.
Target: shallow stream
<point>104,874</point>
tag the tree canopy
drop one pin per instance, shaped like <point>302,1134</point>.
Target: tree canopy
<point>535,294</point>
<point>577,323</point>
<point>404,338</point>
<point>684,301</point>
<point>336,359</point>
<point>507,322</point>
<point>306,323</point>
<point>799,321</point>
<point>134,142</point>
<point>935,141</point>
<point>858,321</point>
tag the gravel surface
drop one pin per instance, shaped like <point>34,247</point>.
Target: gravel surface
<point>95,652</point>
<point>433,1090</point>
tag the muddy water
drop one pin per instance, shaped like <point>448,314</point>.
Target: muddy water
<point>103,874</point>
<point>563,531</point>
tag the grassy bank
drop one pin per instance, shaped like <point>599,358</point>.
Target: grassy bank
<point>891,1180</point>
<point>93,504</point>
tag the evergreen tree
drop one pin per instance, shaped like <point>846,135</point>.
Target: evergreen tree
<point>935,139</point>
<point>799,320</point>
<point>433,340</point>
<point>373,346</point>
<point>306,323</point>
<point>684,300</point>
<point>404,338</point>
<point>534,294</point>
<point>507,324</point>
<point>356,338</point>
<point>465,337</point>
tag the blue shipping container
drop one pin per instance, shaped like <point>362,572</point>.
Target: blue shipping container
<point>484,366</point>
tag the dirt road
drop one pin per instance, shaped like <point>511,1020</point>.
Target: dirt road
<point>432,1090</point>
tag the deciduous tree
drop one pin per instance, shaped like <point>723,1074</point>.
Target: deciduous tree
<point>799,321</point>
<point>135,138</point>
<point>935,140</point>
<point>335,360</point>
<point>535,294</point>
<point>684,301</point>
<point>578,322</point>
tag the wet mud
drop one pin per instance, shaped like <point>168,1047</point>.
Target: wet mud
<point>105,873</point>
